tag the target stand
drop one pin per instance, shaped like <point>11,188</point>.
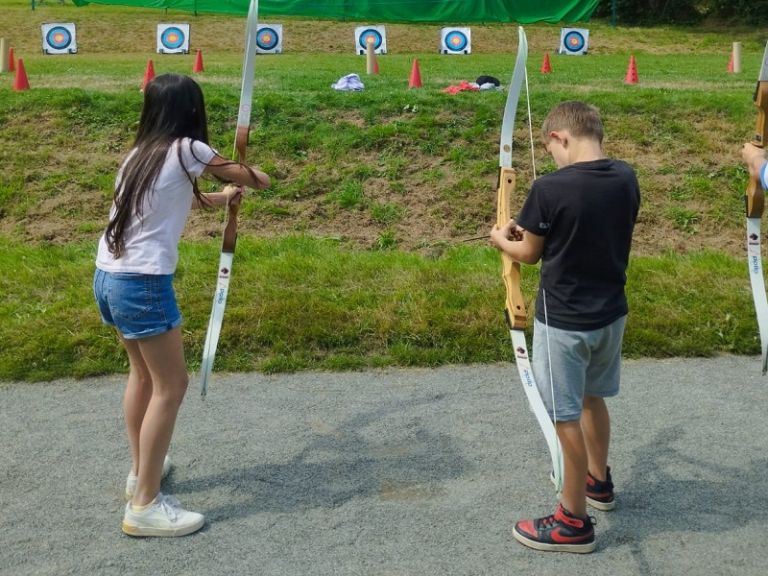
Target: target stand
<point>269,39</point>
<point>379,35</point>
<point>59,38</point>
<point>573,41</point>
<point>173,38</point>
<point>455,41</point>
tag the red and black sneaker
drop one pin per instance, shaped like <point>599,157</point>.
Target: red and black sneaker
<point>560,532</point>
<point>600,492</point>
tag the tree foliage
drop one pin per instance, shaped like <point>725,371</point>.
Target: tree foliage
<point>750,12</point>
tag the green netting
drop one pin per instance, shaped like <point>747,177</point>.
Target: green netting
<point>447,11</point>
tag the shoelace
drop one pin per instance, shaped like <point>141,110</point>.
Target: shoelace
<point>170,505</point>
<point>548,521</point>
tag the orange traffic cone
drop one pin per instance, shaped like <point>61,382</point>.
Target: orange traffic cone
<point>415,80</point>
<point>11,60</point>
<point>631,77</point>
<point>149,74</point>
<point>546,67</point>
<point>198,66</point>
<point>730,64</point>
<point>20,81</point>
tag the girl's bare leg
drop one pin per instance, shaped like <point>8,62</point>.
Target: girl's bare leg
<point>138,391</point>
<point>163,356</point>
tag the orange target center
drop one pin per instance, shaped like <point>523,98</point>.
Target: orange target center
<point>58,37</point>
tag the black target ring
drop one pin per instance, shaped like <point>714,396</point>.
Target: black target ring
<point>370,33</point>
<point>58,38</point>
<point>173,38</point>
<point>456,41</point>
<point>267,38</point>
<point>574,41</point>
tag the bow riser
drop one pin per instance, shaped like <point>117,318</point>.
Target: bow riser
<point>515,304</point>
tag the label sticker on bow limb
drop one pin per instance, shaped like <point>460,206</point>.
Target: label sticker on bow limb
<point>574,41</point>
<point>376,33</point>
<point>269,39</point>
<point>59,38</point>
<point>173,38</point>
<point>455,41</point>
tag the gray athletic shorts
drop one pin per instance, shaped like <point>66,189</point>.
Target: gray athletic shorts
<point>583,364</point>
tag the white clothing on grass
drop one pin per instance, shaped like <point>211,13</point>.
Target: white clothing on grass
<point>151,242</point>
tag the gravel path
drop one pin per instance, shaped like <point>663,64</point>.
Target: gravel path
<point>394,472</point>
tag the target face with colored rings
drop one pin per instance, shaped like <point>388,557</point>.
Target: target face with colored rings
<point>267,38</point>
<point>58,38</point>
<point>456,41</point>
<point>370,33</point>
<point>172,38</point>
<point>574,41</point>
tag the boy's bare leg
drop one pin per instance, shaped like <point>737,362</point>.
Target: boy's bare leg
<point>596,426</point>
<point>574,495</point>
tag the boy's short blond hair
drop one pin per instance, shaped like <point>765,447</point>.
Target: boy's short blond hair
<point>580,119</point>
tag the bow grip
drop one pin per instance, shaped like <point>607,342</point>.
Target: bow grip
<point>517,318</point>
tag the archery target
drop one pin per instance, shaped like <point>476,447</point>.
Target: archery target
<point>362,33</point>
<point>269,39</point>
<point>574,41</point>
<point>59,38</point>
<point>173,38</point>
<point>455,41</point>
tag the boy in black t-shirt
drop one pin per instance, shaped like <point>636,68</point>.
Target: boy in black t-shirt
<point>578,221</point>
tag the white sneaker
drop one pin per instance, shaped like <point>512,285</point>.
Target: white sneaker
<point>130,482</point>
<point>164,517</point>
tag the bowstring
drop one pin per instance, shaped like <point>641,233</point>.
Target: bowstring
<point>558,473</point>
<point>530,122</point>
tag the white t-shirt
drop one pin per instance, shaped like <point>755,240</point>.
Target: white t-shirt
<point>151,243</point>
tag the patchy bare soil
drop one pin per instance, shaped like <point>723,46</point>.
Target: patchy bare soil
<point>434,211</point>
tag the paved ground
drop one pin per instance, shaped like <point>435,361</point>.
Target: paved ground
<point>397,472</point>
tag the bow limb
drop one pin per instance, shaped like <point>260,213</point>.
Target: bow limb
<point>516,315</point>
<point>755,200</point>
<point>230,230</point>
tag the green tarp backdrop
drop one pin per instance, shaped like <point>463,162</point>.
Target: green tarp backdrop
<point>446,11</point>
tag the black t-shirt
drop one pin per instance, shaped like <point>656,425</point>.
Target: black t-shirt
<point>587,212</point>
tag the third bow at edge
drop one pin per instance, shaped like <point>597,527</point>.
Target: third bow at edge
<point>755,200</point>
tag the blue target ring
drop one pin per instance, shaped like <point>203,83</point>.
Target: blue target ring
<point>456,41</point>
<point>172,38</point>
<point>267,38</point>
<point>574,41</point>
<point>58,38</point>
<point>370,33</point>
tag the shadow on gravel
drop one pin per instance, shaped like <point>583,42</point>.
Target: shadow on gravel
<point>362,457</point>
<point>668,491</point>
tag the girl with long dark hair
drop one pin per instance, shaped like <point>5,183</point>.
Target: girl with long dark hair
<point>155,188</point>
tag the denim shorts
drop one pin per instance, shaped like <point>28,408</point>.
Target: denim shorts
<point>584,363</point>
<point>138,305</point>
